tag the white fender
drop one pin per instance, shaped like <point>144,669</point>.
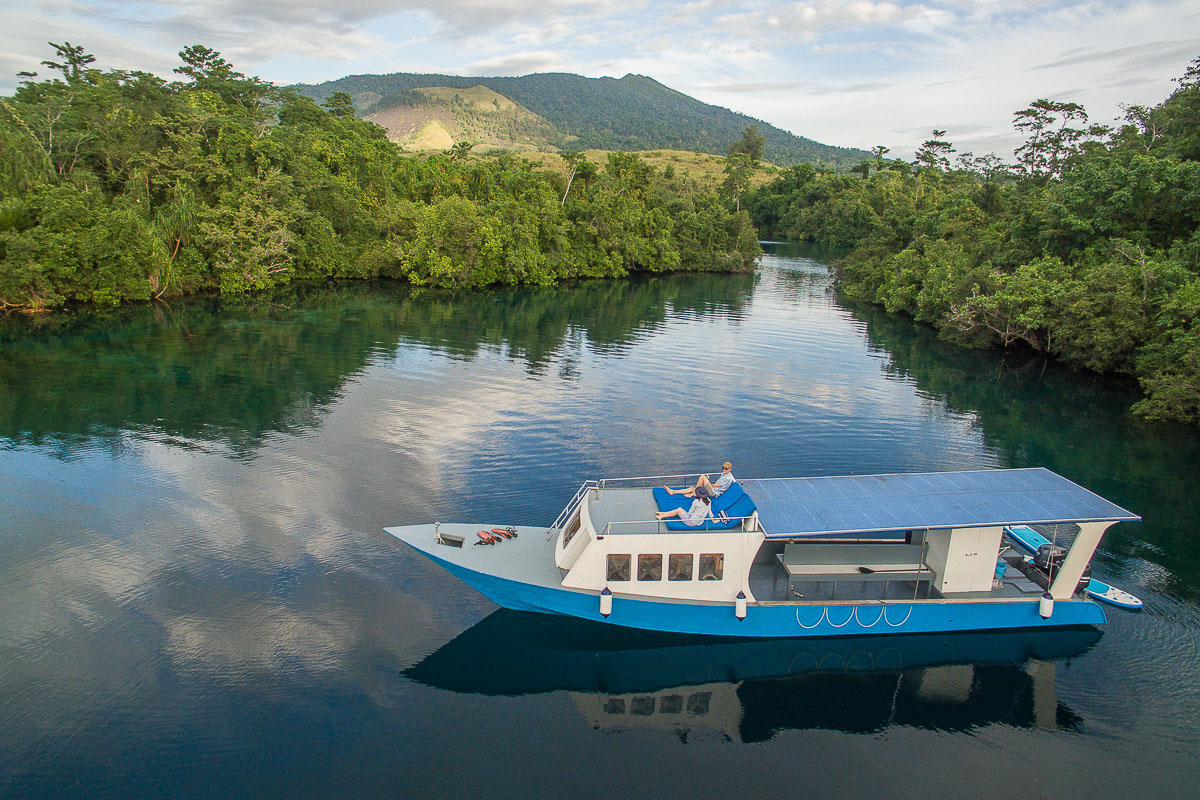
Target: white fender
<point>605,602</point>
<point>739,606</point>
<point>1046,606</point>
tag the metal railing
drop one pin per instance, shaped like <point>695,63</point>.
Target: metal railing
<point>569,511</point>
<point>649,480</point>
<point>660,526</point>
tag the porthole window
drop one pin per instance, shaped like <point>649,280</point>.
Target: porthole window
<point>618,567</point>
<point>679,566</point>
<point>650,567</point>
<point>712,566</point>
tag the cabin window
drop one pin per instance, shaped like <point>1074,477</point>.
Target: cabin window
<point>679,567</point>
<point>699,702</point>
<point>572,527</point>
<point>671,704</point>
<point>618,567</point>
<point>642,706</point>
<point>614,705</point>
<point>650,567</point>
<point>712,566</point>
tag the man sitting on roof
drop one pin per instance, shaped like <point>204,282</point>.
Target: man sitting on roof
<point>714,489</point>
<point>694,516</point>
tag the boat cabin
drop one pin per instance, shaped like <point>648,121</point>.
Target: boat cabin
<point>905,537</point>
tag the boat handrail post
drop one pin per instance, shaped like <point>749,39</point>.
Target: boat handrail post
<point>920,567</point>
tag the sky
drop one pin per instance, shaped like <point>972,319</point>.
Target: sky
<point>855,74</point>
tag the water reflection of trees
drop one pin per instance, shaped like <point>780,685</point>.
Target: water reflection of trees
<point>230,372</point>
<point>1037,413</point>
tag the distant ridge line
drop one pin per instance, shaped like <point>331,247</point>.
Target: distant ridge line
<point>633,112</point>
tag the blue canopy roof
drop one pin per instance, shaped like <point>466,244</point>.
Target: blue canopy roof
<point>918,501</point>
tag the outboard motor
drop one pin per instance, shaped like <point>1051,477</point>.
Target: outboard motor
<point>1049,560</point>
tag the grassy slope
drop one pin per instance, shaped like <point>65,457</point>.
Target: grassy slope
<point>705,169</point>
<point>475,114</point>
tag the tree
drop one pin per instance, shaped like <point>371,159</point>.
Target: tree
<point>340,104</point>
<point>738,169</point>
<point>73,64</point>
<point>935,153</point>
<point>752,144</point>
<point>1021,306</point>
<point>879,151</point>
<point>249,235</point>
<point>203,64</point>
<point>209,71</point>
<point>1047,149</point>
<point>1142,124</point>
<point>176,222</point>
<point>461,150</point>
<point>987,166</point>
<point>580,167</point>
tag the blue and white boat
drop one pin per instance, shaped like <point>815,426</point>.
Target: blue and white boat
<point>798,557</point>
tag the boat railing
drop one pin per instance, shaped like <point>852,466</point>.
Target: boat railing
<point>569,511</point>
<point>615,528</point>
<point>648,481</point>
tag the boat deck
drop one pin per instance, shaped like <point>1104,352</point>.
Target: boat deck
<point>634,509</point>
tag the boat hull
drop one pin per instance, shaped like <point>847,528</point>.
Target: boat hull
<point>777,620</point>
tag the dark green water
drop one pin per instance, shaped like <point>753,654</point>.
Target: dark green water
<point>199,600</point>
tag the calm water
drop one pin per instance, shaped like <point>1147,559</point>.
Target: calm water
<point>199,601</point>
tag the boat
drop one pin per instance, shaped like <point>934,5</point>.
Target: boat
<point>852,555</point>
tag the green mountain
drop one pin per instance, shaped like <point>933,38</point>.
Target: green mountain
<point>632,113</point>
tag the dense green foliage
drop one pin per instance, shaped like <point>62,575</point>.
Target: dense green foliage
<point>1087,249</point>
<point>120,186</point>
<point>630,113</point>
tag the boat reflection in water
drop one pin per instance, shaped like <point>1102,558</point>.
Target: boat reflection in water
<point>748,690</point>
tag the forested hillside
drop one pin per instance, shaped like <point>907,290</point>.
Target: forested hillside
<point>630,113</point>
<point>1087,248</point>
<point>120,186</point>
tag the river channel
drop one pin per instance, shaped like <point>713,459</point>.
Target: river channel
<point>199,600</point>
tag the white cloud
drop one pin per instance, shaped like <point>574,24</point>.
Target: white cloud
<point>850,73</point>
<point>518,63</point>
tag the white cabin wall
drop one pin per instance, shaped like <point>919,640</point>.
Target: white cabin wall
<point>963,559</point>
<point>590,567</point>
<point>565,557</point>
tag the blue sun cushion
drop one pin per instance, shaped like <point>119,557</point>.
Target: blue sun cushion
<point>742,506</point>
<point>727,498</point>
<point>666,502</point>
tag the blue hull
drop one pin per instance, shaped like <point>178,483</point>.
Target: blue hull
<point>780,620</point>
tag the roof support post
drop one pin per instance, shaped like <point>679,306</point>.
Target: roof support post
<point>1077,558</point>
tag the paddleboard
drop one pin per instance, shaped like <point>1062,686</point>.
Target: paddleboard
<point>1030,540</point>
